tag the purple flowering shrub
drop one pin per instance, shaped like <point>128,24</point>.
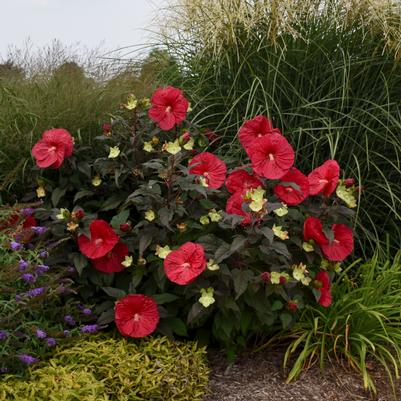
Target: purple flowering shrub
<point>39,309</point>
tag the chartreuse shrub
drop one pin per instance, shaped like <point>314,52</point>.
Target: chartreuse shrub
<point>187,243</point>
<point>39,309</point>
<point>327,72</point>
<point>103,368</point>
<point>362,325</point>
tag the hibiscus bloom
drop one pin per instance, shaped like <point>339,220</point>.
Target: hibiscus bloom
<point>210,168</point>
<point>272,156</point>
<point>29,222</point>
<point>111,262</point>
<point>256,128</point>
<point>324,179</point>
<point>169,107</point>
<point>342,244</point>
<point>325,292</point>
<point>290,195</point>
<point>234,206</point>
<point>241,180</point>
<point>313,229</point>
<point>55,145</point>
<point>102,240</point>
<point>136,315</point>
<point>183,265</point>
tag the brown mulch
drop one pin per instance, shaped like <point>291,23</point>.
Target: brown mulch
<point>260,377</point>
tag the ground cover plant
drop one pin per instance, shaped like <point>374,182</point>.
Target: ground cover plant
<point>186,244</point>
<point>39,309</point>
<point>326,72</point>
<point>108,368</point>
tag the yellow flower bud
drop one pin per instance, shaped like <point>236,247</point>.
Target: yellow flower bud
<point>162,251</point>
<point>114,152</point>
<point>96,181</point>
<point>207,298</point>
<point>150,215</point>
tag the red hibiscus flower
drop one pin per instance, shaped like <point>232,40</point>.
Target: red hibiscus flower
<point>185,264</point>
<point>210,168</point>
<point>29,222</point>
<point>272,156</point>
<point>240,180</point>
<point>325,293</point>
<point>169,107</point>
<point>102,241</point>
<point>342,244</point>
<point>53,148</point>
<point>324,178</point>
<point>111,262</point>
<point>256,128</point>
<point>136,315</point>
<point>290,195</point>
<point>313,229</point>
<point>234,206</point>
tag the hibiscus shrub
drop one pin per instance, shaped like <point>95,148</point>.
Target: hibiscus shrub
<point>187,243</point>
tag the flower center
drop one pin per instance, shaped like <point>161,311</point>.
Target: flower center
<point>168,109</point>
<point>271,156</point>
<point>289,189</point>
<point>205,174</point>
<point>324,182</point>
<point>99,242</point>
<point>259,135</point>
<point>185,265</point>
<point>336,241</point>
<point>52,149</point>
<point>137,317</point>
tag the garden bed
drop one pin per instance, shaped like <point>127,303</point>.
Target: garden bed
<point>260,377</point>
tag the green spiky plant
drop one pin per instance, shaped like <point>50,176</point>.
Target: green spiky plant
<point>331,67</point>
<point>362,324</point>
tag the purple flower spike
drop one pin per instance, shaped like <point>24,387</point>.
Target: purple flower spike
<point>51,342</point>
<point>71,269</point>
<point>15,246</point>
<point>87,312</point>
<point>35,292</point>
<point>39,230</point>
<point>23,265</point>
<point>3,335</point>
<point>28,211</point>
<point>69,320</point>
<point>40,333</point>
<point>3,370</point>
<point>28,277</point>
<point>27,359</point>
<point>43,254</point>
<point>66,333</point>
<point>40,269</point>
<point>89,328</point>
<point>18,297</point>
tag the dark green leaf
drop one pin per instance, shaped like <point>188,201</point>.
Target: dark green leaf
<point>241,280</point>
<point>57,194</point>
<point>114,292</point>
<point>80,262</point>
<point>120,218</point>
<point>106,317</point>
<point>164,298</point>
<point>82,194</point>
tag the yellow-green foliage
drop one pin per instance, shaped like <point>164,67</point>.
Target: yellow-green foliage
<point>116,369</point>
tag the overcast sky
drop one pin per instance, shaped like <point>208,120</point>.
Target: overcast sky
<point>116,23</point>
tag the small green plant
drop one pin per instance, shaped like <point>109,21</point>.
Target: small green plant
<point>102,368</point>
<point>362,325</point>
